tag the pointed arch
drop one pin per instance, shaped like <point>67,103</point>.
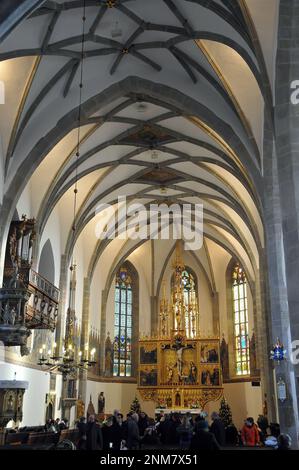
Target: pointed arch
<point>46,266</point>
<point>126,321</point>
<point>238,321</point>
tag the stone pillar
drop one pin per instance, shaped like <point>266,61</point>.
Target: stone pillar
<point>103,330</point>
<point>280,318</point>
<point>84,335</point>
<point>283,215</point>
<point>154,314</point>
<point>215,313</point>
<point>59,334</point>
<point>264,339</point>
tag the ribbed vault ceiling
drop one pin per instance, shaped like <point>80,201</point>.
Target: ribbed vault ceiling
<point>164,117</point>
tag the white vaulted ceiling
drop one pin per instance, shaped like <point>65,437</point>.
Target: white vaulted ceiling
<point>185,80</point>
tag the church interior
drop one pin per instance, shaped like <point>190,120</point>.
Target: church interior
<point>110,104</point>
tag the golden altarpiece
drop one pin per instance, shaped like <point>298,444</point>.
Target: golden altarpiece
<point>179,368</point>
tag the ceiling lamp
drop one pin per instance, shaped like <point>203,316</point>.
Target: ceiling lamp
<point>163,190</point>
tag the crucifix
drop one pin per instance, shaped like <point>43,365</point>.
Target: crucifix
<point>179,348</point>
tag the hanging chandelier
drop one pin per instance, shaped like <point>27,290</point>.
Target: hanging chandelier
<point>72,360</point>
<point>69,363</point>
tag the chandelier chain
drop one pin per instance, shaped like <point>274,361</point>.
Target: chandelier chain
<point>78,146</point>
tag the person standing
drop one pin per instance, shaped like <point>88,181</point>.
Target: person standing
<point>82,428</point>
<point>250,434</point>
<point>94,438</point>
<point>118,431</point>
<point>184,431</point>
<point>284,442</point>
<point>108,434</point>
<point>217,428</point>
<point>101,403</point>
<point>143,423</point>
<point>203,439</point>
<point>133,437</point>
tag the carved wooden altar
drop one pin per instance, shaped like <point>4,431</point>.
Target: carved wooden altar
<point>180,368</point>
<point>180,373</point>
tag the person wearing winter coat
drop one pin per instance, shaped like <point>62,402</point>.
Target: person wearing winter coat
<point>133,437</point>
<point>143,423</point>
<point>185,430</point>
<point>82,427</point>
<point>203,439</point>
<point>119,432</point>
<point>250,434</point>
<point>94,437</point>
<point>108,434</point>
<point>218,429</point>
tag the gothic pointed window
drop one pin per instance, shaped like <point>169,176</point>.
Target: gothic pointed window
<point>122,357</point>
<point>240,312</point>
<point>189,285</point>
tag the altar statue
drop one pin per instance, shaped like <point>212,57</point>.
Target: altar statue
<point>177,399</point>
<point>101,403</point>
<point>192,373</point>
<point>169,374</point>
<point>179,348</point>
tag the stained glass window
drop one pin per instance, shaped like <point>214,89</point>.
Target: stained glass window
<point>241,333</point>
<point>190,301</point>
<point>122,357</point>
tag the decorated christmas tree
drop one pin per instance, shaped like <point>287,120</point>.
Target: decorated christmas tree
<point>135,406</point>
<point>225,413</point>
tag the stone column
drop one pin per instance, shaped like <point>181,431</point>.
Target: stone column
<point>84,335</point>
<point>215,313</point>
<point>103,330</point>
<point>59,334</point>
<point>280,324</point>
<point>154,315</point>
<point>283,242</point>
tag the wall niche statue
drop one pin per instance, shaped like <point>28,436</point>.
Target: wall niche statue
<point>224,359</point>
<point>108,357</point>
<point>101,403</point>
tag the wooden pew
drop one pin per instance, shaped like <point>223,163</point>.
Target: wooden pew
<point>38,439</point>
<point>69,434</point>
<point>16,438</point>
